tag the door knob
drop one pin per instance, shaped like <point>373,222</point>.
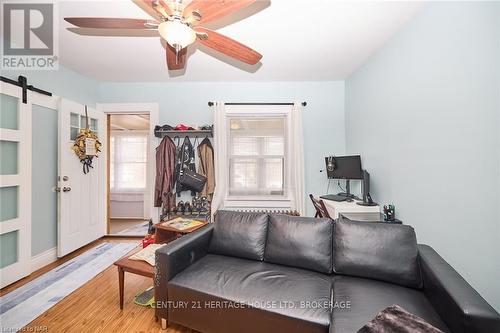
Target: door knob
<point>66,189</point>
<point>57,189</point>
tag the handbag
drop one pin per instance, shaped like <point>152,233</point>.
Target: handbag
<point>192,180</point>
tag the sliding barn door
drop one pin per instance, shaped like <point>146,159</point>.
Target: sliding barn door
<point>81,197</point>
<point>15,185</point>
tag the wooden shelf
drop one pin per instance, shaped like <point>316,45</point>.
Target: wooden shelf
<point>182,134</point>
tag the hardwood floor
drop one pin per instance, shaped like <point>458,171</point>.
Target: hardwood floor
<point>117,225</point>
<point>94,307</point>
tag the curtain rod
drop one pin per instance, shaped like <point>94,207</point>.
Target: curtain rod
<point>22,82</point>
<point>303,103</point>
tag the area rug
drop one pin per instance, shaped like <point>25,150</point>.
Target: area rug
<point>140,229</point>
<point>21,306</point>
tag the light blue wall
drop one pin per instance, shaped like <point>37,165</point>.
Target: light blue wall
<point>63,82</point>
<point>424,114</point>
<point>44,179</point>
<point>323,118</point>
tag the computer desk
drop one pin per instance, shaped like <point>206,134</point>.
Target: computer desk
<point>337,207</point>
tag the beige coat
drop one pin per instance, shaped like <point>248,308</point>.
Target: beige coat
<point>206,167</point>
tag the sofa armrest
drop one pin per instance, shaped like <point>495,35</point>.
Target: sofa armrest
<point>458,304</point>
<point>173,258</point>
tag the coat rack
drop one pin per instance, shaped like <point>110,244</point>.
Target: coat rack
<point>175,133</point>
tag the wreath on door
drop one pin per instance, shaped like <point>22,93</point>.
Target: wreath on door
<point>87,145</point>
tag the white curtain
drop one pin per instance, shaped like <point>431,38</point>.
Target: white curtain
<point>128,164</point>
<point>220,158</point>
<point>297,152</point>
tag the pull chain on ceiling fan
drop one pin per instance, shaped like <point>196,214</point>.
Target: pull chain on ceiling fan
<point>179,26</point>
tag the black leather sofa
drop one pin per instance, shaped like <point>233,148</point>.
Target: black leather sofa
<point>253,272</point>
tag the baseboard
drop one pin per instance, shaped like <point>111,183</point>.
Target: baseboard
<point>43,259</point>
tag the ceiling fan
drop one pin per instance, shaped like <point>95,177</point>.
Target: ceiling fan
<point>179,25</point>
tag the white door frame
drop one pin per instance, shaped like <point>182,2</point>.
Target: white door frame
<point>22,180</point>
<point>153,109</point>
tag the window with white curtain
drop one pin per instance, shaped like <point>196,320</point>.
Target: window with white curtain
<point>128,162</point>
<point>257,155</point>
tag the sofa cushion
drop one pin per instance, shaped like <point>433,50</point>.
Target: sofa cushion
<point>239,234</point>
<point>376,250</point>
<point>300,242</point>
<point>358,300</point>
<point>293,299</point>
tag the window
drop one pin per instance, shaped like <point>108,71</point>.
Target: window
<point>80,122</point>
<point>257,156</point>
<point>128,162</point>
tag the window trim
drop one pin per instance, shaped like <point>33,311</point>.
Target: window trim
<point>259,111</point>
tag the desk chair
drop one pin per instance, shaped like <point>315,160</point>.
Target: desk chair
<point>320,207</point>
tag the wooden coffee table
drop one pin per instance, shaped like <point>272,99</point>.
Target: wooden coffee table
<point>138,267</point>
<point>163,234</point>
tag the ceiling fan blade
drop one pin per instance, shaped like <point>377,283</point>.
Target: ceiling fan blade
<point>214,9</point>
<point>164,8</point>
<point>175,61</point>
<point>109,23</point>
<point>114,32</point>
<point>154,8</point>
<point>228,46</point>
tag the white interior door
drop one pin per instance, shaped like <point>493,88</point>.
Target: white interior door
<point>15,185</point>
<point>81,197</point>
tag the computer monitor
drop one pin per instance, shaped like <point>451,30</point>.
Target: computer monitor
<point>344,167</point>
<point>367,199</point>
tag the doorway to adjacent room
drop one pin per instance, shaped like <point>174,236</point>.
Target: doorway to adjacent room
<point>128,206</point>
<point>130,167</point>
<point>130,175</point>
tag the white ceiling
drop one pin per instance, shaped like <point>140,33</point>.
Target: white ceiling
<point>308,40</point>
<point>126,122</point>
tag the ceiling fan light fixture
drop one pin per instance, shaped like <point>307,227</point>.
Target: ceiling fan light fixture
<point>177,34</point>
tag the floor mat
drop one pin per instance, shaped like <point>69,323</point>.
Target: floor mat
<point>19,307</point>
<point>136,230</point>
<point>146,298</point>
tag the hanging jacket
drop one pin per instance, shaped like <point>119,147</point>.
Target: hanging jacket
<point>206,167</point>
<point>184,160</point>
<point>165,168</point>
